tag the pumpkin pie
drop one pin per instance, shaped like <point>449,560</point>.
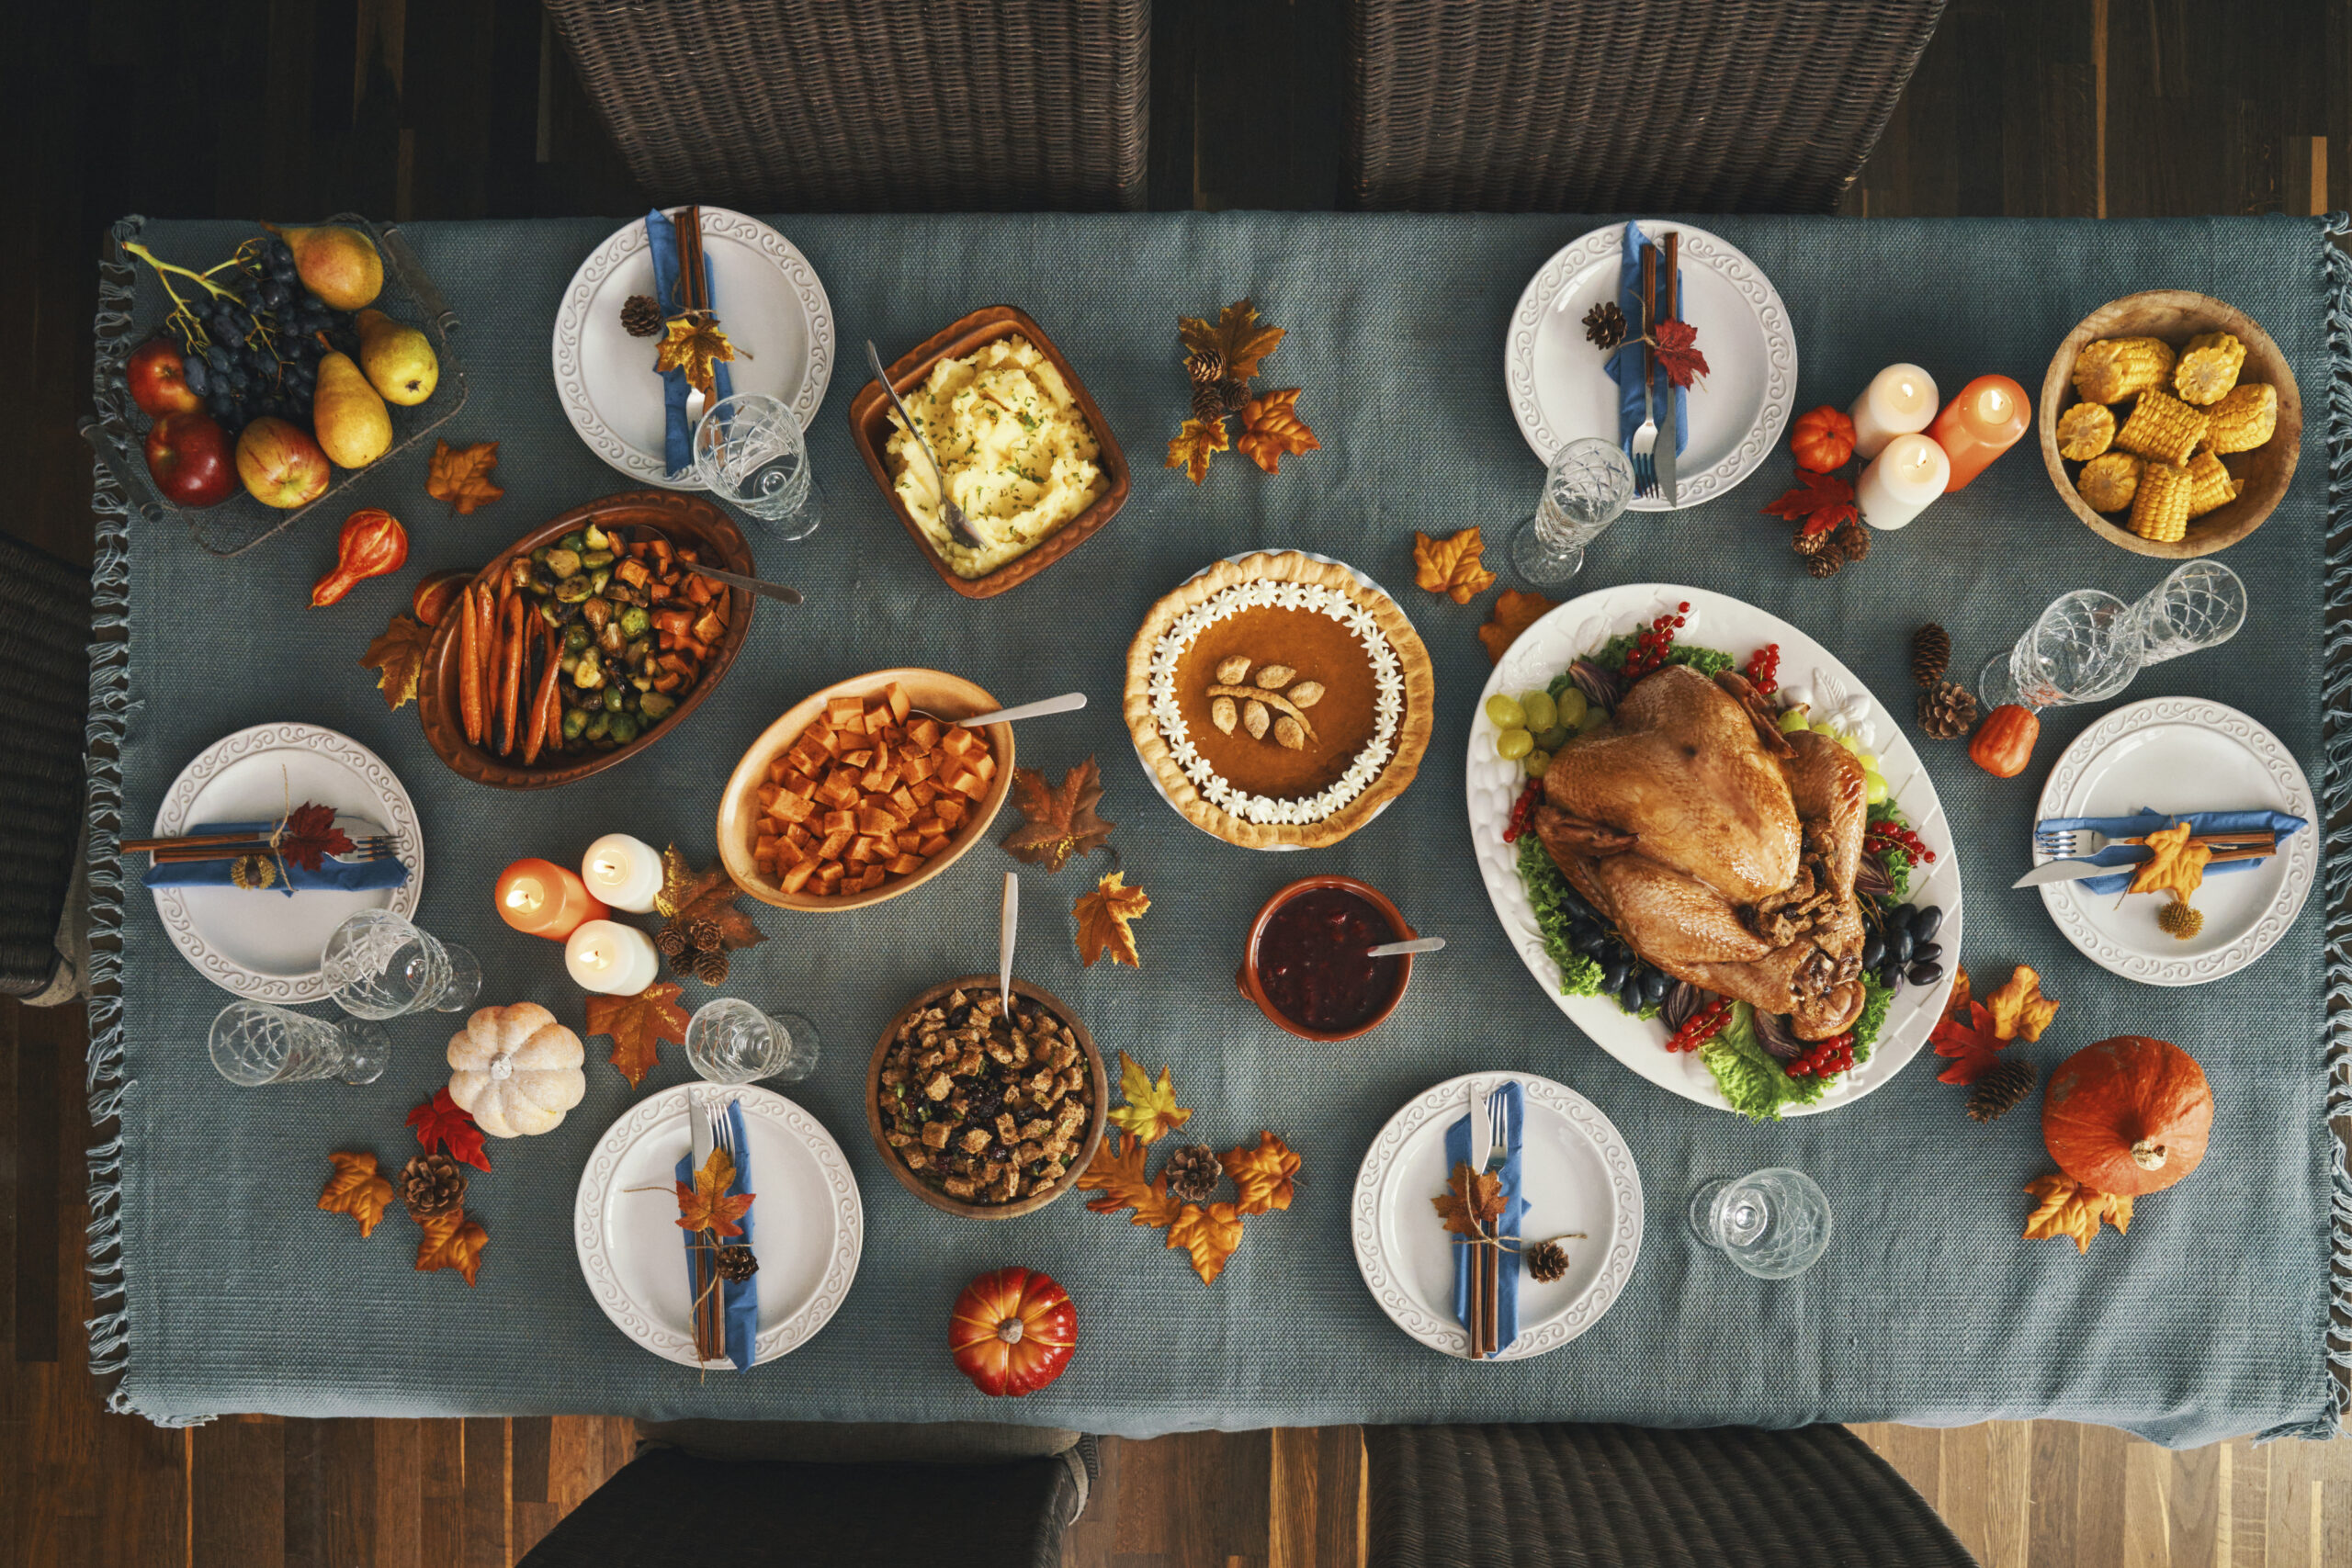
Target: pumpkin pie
<point>1279,701</point>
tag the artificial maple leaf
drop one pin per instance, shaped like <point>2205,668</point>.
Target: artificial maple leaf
<point>1514,613</point>
<point>310,836</point>
<point>1151,1109</point>
<point>1472,1201</point>
<point>460,475</point>
<point>1820,502</point>
<point>2019,1007</point>
<point>1239,340</point>
<point>1270,428</point>
<point>1262,1174</point>
<point>355,1189</point>
<point>1210,1235</point>
<point>450,1241</point>
<point>1959,1000</point>
<point>1194,443</point>
<point>1676,344</point>
<point>2067,1208</point>
<point>694,345</point>
<point>639,1024</point>
<point>1103,922</point>
<point>1451,566</point>
<point>398,657</point>
<point>442,1120</point>
<point>2174,864</point>
<point>1059,823</point>
<point>1968,1039</point>
<point>687,896</point>
<point>707,1206</point>
<point>1116,1172</point>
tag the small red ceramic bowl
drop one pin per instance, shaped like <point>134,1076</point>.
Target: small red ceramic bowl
<point>1253,986</point>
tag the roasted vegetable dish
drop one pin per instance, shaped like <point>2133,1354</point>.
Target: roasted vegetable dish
<point>985,1108</point>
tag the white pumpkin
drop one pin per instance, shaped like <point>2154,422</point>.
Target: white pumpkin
<point>516,1069</point>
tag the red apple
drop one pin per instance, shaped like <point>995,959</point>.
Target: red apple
<point>188,454</point>
<point>159,380</point>
<point>280,463</point>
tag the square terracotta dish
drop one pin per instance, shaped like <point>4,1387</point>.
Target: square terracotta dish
<point>870,427</point>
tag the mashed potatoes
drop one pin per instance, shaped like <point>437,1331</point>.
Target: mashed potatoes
<point>1019,457</point>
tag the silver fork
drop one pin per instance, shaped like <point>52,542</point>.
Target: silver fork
<point>2082,843</point>
<point>1645,439</point>
<point>722,1138</point>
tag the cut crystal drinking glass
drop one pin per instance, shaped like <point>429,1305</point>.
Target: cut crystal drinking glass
<point>750,453</point>
<point>730,1040</point>
<point>1774,1223</point>
<point>1585,490</point>
<point>256,1042</point>
<point>379,964</point>
<point>2201,605</point>
<point>2083,648</point>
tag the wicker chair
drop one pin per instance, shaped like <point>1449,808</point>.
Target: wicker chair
<point>1621,106</point>
<point>1635,1498</point>
<point>908,106</point>
<point>44,645</point>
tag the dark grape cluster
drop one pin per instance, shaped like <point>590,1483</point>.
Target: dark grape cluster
<point>256,351</point>
<point>1904,948</point>
<point>1624,976</point>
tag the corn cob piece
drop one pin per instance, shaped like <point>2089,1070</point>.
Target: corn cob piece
<point>2085,430</point>
<point>2109,481</point>
<point>2115,369</point>
<point>2208,367</point>
<point>2243,419</point>
<point>2212,485</point>
<point>2160,510</point>
<point>2162,428</point>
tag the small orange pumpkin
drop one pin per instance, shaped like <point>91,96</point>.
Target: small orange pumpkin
<point>1012,1332</point>
<point>2003,742</point>
<point>2127,1115</point>
<point>1822,439</point>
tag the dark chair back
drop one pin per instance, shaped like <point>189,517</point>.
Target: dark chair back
<point>45,648</point>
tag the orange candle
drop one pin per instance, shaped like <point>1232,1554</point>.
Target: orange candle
<point>539,897</point>
<point>1977,427</point>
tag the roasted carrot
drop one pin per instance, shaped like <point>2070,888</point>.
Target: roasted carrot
<point>486,612</point>
<point>469,667</point>
<point>535,728</point>
<point>510,690</point>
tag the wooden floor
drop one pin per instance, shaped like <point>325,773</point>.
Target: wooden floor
<point>433,108</point>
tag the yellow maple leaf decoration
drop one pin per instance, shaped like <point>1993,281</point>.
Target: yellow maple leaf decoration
<point>2018,1008</point>
<point>2174,864</point>
<point>1514,613</point>
<point>398,657</point>
<point>1191,448</point>
<point>1262,1174</point>
<point>460,475</point>
<point>1958,1006</point>
<point>355,1189</point>
<point>694,345</point>
<point>2065,1207</point>
<point>1451,566</point>
<point>1151,1109</point>
<point>1210,1235</point>
<point>1116,1172</point>
<point>1239,340</point>
<point>707,1206</point>
<point>1270,429</point>
<point>1104,918</point>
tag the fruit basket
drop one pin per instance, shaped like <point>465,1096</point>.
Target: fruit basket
<point>133,308</point>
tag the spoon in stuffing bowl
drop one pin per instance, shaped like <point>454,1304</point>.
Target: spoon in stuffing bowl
<point>949,513</point>
<point>1399,949</point>
<point>1069,702</point>
<point>1010,923</point>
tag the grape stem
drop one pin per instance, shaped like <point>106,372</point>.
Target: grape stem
<point>164,268</point>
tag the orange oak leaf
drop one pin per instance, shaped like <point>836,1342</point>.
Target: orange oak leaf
<point>694,345</point>
<point>460,475</point>
<point>1270,429</point>
<point>1239,340</point>
<point>1451,566</point>
<point>451,1241</point>
<point>1116,1172</point>
<point>1104,918</point>
<point>2019,1007</point>
<point>688,894</point>
<point>355,1189</point>
<point>1969,1040</point>
<point>1473,1203</point>
<point>2174,864</point>
<point>1057,823</point>
<point>707,1206</point>
<point>1151,1109</point>
<point>1210,1235</point>
<point>1514,613</point>
<point>2065,1207</point>
<point>637,1025</point>
<point>1194,442</point>
<point>398,657</point>
<point>1263,1174</point>
<point>1820,502</point>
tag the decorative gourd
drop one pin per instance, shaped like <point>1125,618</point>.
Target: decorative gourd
<point>516,1069</point>
<point>1822,440</point>
<point>1013,1331</point>
<point>2003,742</point>
<point>2127,1115</point>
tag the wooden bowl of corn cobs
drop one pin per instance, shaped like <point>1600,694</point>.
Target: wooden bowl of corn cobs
<point>2170,422</point>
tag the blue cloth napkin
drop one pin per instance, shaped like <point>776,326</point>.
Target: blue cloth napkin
<point>1457,1152</point>
<point>2148,821</point>
<point>1626,365</point>
<point>332,874</point>
<point>742,1297</point>
<point>677,448</point>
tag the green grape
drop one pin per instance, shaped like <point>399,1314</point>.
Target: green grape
<point>1793,721</point>
<point>1552,739</point>
<point>1536,762</point>
<point>1869,760</point>
<point>1824,728</point>
<point>1542,712</point>
<point>1572,705</point>
<point>1513,744</point>
<point>1873,788</point>
<point>1593,719</point>
<point>1504,712</point>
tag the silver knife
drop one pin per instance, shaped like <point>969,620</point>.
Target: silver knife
<point>2071,870</point>
<point>775,590</point>
<point>1481,1141</point>
<point>1669,277</point>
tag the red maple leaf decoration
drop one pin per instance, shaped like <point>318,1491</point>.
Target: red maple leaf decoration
<point>1676,344</point>
<point>439,1121</point>
<point>1970,1043</point>
<point>311,836</point>
<point>1820,502</point>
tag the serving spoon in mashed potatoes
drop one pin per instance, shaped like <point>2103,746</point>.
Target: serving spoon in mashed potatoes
<point>951,514</point>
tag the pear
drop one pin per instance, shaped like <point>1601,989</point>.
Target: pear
<point>352,424</point>
<point>398,358</point>
<point>340,265</point>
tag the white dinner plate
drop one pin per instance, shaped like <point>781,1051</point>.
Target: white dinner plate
<point>1577,1174</point>
<point>265,945</point>
<point>2182,754</point>
<point>808,1224</point>
<point>1558,383</point>
<point>769,303</point>
<point>1716,620</point>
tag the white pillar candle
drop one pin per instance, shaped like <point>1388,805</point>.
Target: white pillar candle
<point>1899,400</point>
<point>1901,481</point>
<point>605,955</point>
<point>623,871</point>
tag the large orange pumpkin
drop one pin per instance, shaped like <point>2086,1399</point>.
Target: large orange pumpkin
<point>1013,1331</point>
<point>2127,1115</point>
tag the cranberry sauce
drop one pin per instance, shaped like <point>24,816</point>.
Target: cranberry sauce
<point>1312,962</point>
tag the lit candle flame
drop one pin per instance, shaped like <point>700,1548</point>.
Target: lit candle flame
<point>525,895</point>
<point>1994,405</point>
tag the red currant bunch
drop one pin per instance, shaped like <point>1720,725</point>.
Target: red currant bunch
<point>1654,641</point>
<point>1764,669</point>
<point>1523,811</point>
<point>1704,1026</point>
<point>1825,1060</point>
<point>1883,836</point>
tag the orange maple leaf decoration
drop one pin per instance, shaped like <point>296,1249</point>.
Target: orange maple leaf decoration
<point>2174,864</point>
<point>460,475</point>
<point>1103,922</point>
<point>1239,340</point>
<point>398,657</point>
<point>1057,823</point>
<point>1514,613</point>
<point>451,1241</point>
<point>1451,566</point>
<point>2065,1207</point>
<point>1820,502</point>
<point>1262,1174</point>
<point>1270,428</point>
<point>1194,441</point>
<point>1116,1172</point>
<point>310,835</point>
<point>637,1025</point>
<point>1209,1234</point>
<point>1472,1203</point>
<point>1966,1035</point>
<point>2019,1007</point>
<point>1676,345</point>
<point>707,1206</point>
<point>355,1189</point>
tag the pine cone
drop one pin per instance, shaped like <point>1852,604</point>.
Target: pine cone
<point>1811,544</point>
<point>1546,1261</point>
<point>1205,366</point>
<point>670,941</point>
<point>1605,324</point>
<point>704,934</point>
<point>1854,542</point>
<point>1208,400</point>
<point>1825,563</point>
<point>710,966</point>
<point>1930,654</point>
<point>432,1184</point>
<point>641,315</point>
<point>1947,712</point>
<point>1234,393</point>
<point>736,1264</point>
<point>1193,1173</point>
<point>1997,1092</point>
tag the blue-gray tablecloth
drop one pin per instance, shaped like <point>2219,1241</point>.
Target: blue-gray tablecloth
<point>2209,1319</point>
